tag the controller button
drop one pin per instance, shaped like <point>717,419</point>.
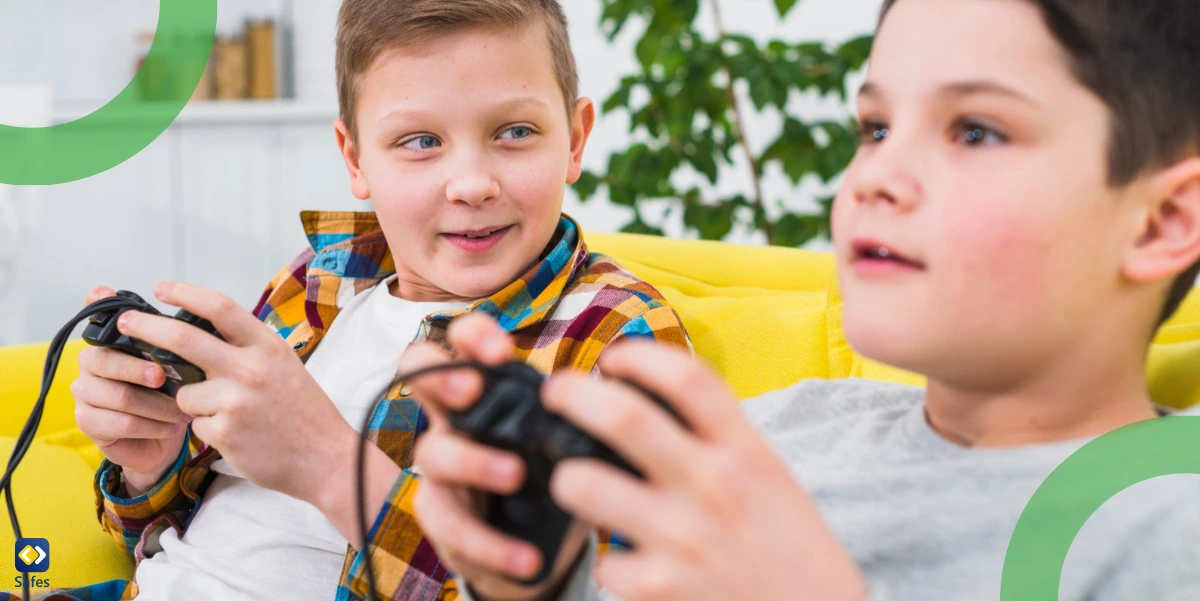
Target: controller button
<point>524,514</point>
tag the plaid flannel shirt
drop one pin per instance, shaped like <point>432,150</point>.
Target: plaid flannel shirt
<point>562,313</point>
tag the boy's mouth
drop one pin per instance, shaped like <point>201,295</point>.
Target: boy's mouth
<point>876,256</point>
<point>477,240</point>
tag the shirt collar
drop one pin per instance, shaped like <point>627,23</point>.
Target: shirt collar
<point>351,245</point>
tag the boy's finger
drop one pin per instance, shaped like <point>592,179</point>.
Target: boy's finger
<point>236,325</point>
<point>202,399</point>
<point>112,364</point>
<point>455,461</point>
<point>688,385</point>
<point>202,349</point>
<point>116,396</point>
<point>606,497</point>
<point>477,336</point>
<point>629,423</point>
<point>441,391</point>
<point>97,293</point>
<point>446,520</point>
<point>106,424</point>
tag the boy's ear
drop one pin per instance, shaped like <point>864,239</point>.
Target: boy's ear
<point>345,142</point>
<point>582,121</point>
<point>1169,240</point>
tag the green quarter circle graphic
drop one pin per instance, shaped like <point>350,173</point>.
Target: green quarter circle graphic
<point>1095,473</point>
<point>120,129</point>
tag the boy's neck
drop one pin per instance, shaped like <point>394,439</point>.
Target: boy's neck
<point>1085,393</point>
<point>423,294</point>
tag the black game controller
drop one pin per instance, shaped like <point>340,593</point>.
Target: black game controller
<point>102,331</point>
<point>510,416</point>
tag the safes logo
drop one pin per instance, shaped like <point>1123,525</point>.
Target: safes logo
<point>33,555</point>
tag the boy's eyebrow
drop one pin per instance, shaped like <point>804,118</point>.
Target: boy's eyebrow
<point>524,101</point>
<point>959,89</point>
<point>969,88</point>
<point>871,90</point>
<point>399,114</point>
<point>516,103</point>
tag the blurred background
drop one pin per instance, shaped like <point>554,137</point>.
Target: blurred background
<point>215,199</point>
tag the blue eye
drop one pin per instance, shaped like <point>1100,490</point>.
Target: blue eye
<point>971,133</point>
<point>873,132</point>
<point>519,132</point>
<point>421,143</point>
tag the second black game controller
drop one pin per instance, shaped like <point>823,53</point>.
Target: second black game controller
<point>509,415</point>
<point>102,331</point>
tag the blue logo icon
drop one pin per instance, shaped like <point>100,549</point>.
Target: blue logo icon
<point>33,555</point>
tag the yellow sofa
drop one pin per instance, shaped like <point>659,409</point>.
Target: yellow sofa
<point>764,317</point>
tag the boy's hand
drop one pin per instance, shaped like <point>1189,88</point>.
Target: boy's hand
<point>454,471</point>
<point>719,516</point>
<point>116,407</point>
<point>258,404</point>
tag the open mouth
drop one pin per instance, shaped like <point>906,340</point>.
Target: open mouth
<point>875,253</point>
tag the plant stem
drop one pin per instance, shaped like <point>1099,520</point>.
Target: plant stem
<point>739,130</point>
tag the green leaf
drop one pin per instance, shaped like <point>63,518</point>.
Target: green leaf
<point>705,163</point>
<point>784,6</point>
<point>648,48</point>
<point>620,98</point>
<point>762,90</point>
<point>796,150</point>
<point>712,222</point>
<point>587,185</point>
<point>639,227</point>
<point>856,51</point>
<point>794,230</point>
<point>837,154</point>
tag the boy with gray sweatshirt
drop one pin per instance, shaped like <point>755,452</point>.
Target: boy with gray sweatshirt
<point>1022,215</point>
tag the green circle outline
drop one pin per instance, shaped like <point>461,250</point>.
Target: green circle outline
<point>114,133</point>
<point>1079,486</point>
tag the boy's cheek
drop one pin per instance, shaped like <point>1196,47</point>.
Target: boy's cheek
<point>1003,264</point>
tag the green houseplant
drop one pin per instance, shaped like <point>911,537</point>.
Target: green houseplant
<point>687,114</point>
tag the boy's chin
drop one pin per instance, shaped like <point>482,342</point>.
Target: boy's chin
<point>886,342</point>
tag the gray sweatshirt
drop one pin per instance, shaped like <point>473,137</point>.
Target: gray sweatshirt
<point>929,520</point>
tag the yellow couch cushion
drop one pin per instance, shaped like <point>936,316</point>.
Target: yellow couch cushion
<point>758,314</point>
<point>20,380</point>
<point>52,491</point>
<point>764,317</point>
<point>770,317</point>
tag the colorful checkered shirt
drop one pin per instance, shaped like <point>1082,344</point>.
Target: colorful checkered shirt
<point>562,313</point>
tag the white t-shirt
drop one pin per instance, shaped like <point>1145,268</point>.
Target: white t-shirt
<point>247,542</point>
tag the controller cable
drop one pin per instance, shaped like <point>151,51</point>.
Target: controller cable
<point>483,369</point>
<point>25,438</point>
<point>116,303</point>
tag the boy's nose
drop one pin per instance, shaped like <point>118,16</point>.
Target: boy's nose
<point>884,178</point>
<point>473,188</point>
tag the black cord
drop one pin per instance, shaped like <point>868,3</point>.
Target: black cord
<point>53,357</point>
<point>25,438</point>
<point>362,447</point>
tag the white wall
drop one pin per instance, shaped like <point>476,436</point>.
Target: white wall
<point>178,210</point>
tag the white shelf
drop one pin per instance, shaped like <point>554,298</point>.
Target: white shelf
<point>218,112</point>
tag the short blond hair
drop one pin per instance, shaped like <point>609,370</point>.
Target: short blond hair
<point>368,28</point>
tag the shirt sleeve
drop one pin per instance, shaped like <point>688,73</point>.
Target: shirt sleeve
<point>125,517</point>
<point>580,585</point>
